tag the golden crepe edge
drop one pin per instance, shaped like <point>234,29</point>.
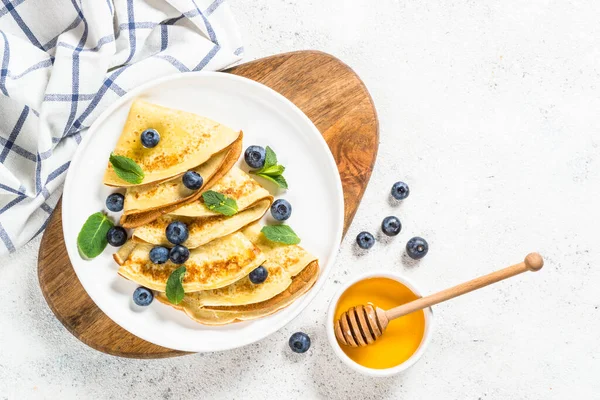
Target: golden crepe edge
<point>143,198</point>
<point>218,315</point>
<point>286,262</point>
<point>203,262</point>
<point>227,226</point>
<point>135,218</point>
<point>236,184</point>
<point>282,264</point>
<point>179,123</point>
<point>203,229</point>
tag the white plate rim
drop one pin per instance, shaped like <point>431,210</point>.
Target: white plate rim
<point>325,270</point>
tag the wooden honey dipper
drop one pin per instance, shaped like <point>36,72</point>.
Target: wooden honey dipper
<point>363,325</point>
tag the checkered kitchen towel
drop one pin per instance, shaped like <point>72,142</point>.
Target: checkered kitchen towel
<point>64,62</point>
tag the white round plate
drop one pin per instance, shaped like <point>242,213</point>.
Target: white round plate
<point>267,118</point>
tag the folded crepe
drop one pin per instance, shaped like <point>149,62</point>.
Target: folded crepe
<point>205,225</point>
<point>145,203</point>
<point>301,284</point>
<point>214,265</point>
<point>292,272</point>
<point>186,141</point>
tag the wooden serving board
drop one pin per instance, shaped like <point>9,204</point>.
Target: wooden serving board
<point>328,92</point>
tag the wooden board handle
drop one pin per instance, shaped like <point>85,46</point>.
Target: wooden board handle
<point>533,262</point>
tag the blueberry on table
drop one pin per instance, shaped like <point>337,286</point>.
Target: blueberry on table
<point>192,180</point>
<point>258,275</point>
<point>255,156</point>
<point>177,232</point>
<point>417,248</point>
<point>114,202</point>
<point>116,236</point>
<point>159,255</point>
<point>179,254</point>
<point>365,240</point>
<point>400,190</point>
<point>281,210</point>
<point>150,138</point>
<point>299,342</point>
<point>142,296</point>
<point>391,226</point>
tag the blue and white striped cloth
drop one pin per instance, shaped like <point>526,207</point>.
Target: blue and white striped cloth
<point>64,62</point>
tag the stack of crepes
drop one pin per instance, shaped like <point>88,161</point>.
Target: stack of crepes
<point>223,250</point>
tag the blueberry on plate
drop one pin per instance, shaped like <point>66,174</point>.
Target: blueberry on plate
<point>116,236</point>
<point>391,226</point>
<point>299,342</point>
<point>192,180</point>
<point>150,138</point>
<point>365,240</point>
<point>159,255</point>
<point>142,296</point>
<point>258,275</point>
<point>114,202</point>
<point>255,156</point>
<point>281,209</point>
<point>400,190</point>
<point>179,254</point>
<point>417,248</point>
<point>177,232</point>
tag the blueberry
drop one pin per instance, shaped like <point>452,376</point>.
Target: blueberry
<point>400,190</point>
<point>159,255</point>
<point>255,156</point>
<point>142,296</point>
<point>114,202</point>
<point>417,248</point>
<point>391,226</point>
<point>281,209</point>
<point>179,254</point>
<point>177,232</point>
<point>116,236</point>
<point>365,240</point>
<point>299,342</point>
<point>149,138</point>
<point>192,180</point>
<point>258,275</point>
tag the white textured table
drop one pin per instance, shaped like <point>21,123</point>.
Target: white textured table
<point>490,113</point>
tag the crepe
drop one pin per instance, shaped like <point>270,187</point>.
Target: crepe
<point>301,284</point>
<point>292,272</point>
<point>214,265</point>
<point>205,225</point>
<point>235,184</point>
<point>146,203</point>
<point>186,141</point>
<point>282,261</point>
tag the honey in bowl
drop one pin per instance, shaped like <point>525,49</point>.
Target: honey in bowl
<point>402,336</point>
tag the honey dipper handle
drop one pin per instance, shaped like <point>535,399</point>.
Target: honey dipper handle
<point>533,262</point>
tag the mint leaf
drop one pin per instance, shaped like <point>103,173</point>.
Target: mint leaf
<point>91,240</point>
<point>174,289</point>
<point>127,169</point>
<point>279,180</point>
<point>270,158</point>
<point>220,203</point>
<point>280,234</point>
<point>273,170</point>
